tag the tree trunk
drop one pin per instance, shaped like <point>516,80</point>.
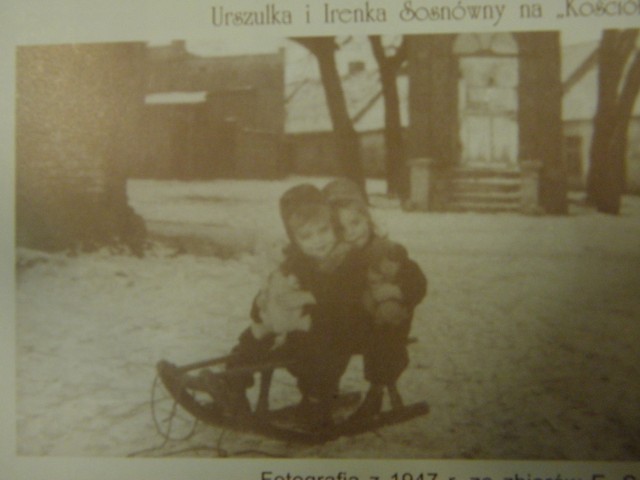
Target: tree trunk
<point>627,101</point>
<point>609,73</point>
<point>347,141</point>
<point>397,176</point>
<point>606,176</point>
<point>540,115</point>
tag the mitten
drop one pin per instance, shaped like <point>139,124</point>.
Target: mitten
<point>390,312</point>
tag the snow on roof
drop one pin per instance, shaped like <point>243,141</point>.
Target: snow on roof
<point>575,55</point>
<point>373,118</point>
<point>173,98</point>
<point>581,100</point>
<point>307,110</point>
<point>579,103</point>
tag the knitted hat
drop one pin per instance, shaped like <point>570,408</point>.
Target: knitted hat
<point>298,199</point>
<point>343,190</point>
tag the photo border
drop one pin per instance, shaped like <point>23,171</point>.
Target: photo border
<point>29,22</point>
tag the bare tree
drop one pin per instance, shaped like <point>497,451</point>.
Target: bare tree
<point>389,65</point>
<point>618,86</point>
<point>347,142</point>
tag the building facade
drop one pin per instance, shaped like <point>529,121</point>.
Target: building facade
<point>212,117</point>
<point>486,121</point>
<point>78,116</point>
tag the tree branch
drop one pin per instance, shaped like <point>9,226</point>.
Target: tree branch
<point>630,89</point>
<point>314,44</point>
<point>376,47</point>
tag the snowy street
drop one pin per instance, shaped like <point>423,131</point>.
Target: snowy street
<point>528,341</point>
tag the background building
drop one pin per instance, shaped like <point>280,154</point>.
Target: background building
<point>212,117</point>
<point>309,130</point>
<point>485,115</point>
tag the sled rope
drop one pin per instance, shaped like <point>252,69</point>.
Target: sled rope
<point>218,448</point>
<point>166,436</point>
<point>174,410</point>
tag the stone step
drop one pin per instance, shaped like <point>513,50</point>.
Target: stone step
<point>490,207</point>
<point>486,173</point>
<point>486,185</point>
<point>487,196</point>
<point>485,190</point>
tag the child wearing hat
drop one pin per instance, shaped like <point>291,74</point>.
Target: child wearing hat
<point>301,314</point>
<point>394,286</point>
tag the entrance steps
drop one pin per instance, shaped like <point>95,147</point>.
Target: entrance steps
<point>485,190</point>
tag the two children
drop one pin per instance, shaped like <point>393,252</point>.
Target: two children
<point>341,289</point>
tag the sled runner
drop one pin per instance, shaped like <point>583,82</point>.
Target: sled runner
<point>186,386</point>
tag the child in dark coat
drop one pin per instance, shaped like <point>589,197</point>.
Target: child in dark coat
<point>304,312</point>
<point>394,286</point>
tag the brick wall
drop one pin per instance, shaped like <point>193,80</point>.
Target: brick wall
<point>260,155</point>
<point>315,154</point>
<point>77,127</point>
<point>211,139</point>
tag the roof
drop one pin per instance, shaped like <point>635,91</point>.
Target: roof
<point>307,110</point>
<point>175,98</point>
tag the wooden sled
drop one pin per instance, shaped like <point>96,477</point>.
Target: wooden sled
<point>280,424</point>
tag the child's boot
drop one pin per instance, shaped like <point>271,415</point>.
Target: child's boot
<point>238,400</point>
<point>230,395</point>
<point>315,412</point>
<point>371,405</point>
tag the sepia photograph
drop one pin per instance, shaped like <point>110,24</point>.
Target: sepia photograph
<point>409,247</point>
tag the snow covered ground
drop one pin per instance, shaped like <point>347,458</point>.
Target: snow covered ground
<point>528,340</point>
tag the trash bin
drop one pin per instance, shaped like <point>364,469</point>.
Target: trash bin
<point>530,183</point>
<point>419,182</point>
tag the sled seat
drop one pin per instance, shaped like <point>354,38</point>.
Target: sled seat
<point>264,369</point>
<point>280,424</point>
